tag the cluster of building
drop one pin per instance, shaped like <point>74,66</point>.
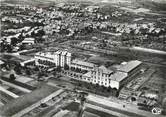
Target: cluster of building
<point>95,74</point>
<point>75,19</point>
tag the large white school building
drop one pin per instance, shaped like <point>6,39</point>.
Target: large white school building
<point>114,79</point>
<point>95,75</point>
<point>57,58</point>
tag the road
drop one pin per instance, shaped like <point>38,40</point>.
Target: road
<point>129,110</point>
<point>105,110</point>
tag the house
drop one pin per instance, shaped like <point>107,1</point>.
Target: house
<point>28,41</point>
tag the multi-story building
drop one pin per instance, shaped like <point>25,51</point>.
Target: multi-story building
<point>83,65</point>
<point>96,75</point>
<point>58,58</point>
<point>68,59</point>
<point>101,75</point>
<point>28,41</point>
<point>131,67</point>
<point>63,58</point>
<point>44,59</point>
<point>114,79</point>
<point>118,79</point>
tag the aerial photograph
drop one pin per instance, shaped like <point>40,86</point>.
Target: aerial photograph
<point>83,58</point>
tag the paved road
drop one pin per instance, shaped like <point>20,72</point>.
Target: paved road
<point>105,110</point>
<point>130,110</point>
<point>148,50</point>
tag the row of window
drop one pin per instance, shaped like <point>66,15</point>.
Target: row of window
<point>46,62</point>
<point>97,82</point>
<point>102,74</point>
<point>94,77</point>
<point>80,66</point>
<point>44,57</point>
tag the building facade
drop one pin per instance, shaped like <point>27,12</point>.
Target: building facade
<point>95,75</point>
<point>58,58</point>
<point>131,67</point>
<point>114,79</point>
<point>101,75</point>
<point>83,65</point>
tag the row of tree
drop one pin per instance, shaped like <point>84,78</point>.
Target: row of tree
<point>97,89</point>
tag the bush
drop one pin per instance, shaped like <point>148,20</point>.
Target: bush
<point>12,77</point>
<point>66,67</point>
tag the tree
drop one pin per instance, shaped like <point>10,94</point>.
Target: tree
<point>58,68</point>
<point>9,48</point>
<point>14,41</point>
<point>72,68</point>
<point>17,69</point>
<point>77,69</point>
<point>40,74</point>
<point>66,67</point>
<point>41,33</point>
<point>36,68</point>
<point>54,73</point>
<point>133,99</point>
<point>28,72</point>
<point>12,77</point>
<point>109,89</point>
<point>114,91</point>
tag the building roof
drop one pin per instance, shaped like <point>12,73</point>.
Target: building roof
<point>105,70</point>
<point>88,74</point>
<point>68,54</point>
<point>64,53</point>
<point>129,66</point>
<point>118,76</point>
<point>83,63</point>
<point>52,53</point>
<point>58,52</point>
<point>1,62</point>
<point>29,39</point>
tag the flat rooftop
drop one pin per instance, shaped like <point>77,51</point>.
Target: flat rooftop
<point>129,66</point>
<point>64,53</point>
<point>27,100</point>
<point>83,63</point>
<point>118,76</point>
<point>105,70</point>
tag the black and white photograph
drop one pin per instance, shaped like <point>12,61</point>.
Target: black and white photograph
<point>83,58</point>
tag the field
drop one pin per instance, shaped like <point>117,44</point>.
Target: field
<point>26,100</point>
<point>74,106</point>
<point>157,81</point>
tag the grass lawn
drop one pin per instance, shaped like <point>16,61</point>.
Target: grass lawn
<point>74,106</point>
<point>157,82</point>
<point>26,100</point>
